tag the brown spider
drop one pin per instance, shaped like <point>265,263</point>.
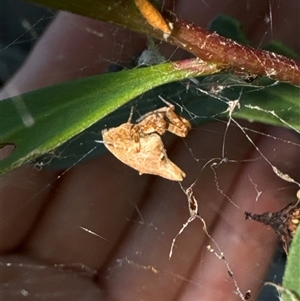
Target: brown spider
<point>140,146</point>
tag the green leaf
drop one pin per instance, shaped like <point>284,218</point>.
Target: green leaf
<point>291,278</point>
<point>39,121</point>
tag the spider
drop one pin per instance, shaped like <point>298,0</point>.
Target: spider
<point>140,146</point>
<point>160,121</point>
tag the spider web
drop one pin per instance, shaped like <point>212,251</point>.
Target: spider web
<point>150,243</point>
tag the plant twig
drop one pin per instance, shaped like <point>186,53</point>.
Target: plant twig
<point>212,47</point>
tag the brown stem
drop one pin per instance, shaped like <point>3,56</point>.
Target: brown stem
<point>212,47</point>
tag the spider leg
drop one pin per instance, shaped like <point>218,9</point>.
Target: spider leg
<point>135,135</point>
<point>130,115</point>
<point>177,125</point>
<point>166,102</point>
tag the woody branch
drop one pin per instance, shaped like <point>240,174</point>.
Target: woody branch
<point>212,47</point>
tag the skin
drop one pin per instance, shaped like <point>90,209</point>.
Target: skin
<point>137,217</point>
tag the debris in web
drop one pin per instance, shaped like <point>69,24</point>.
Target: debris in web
<point>213,167</point>
<point>220,255</point>
<point>232,105</point>
<point>193,209</point>
<point>279,173</point>
<point>126,261</point>
<point>151,55</point>
<point>284,221</point>
<point>272,112</point>
<point>258,192</point>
